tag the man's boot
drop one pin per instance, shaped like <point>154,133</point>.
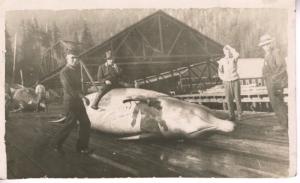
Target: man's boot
<point>96,101</point>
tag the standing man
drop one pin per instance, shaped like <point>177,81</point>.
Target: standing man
<point>74,107</point>
<point>228,73</point>
<point>276,78</point>
<point>40,91</point>
<point>108,74</point>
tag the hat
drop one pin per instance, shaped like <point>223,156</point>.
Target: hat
<point>108,54</point>
<point>227,47</point>
<point>70,55</point>
<point>265,39</point>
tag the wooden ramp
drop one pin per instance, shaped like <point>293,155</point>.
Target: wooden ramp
<point>252,150</point>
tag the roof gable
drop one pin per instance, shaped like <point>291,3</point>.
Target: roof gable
<point>158,35</point>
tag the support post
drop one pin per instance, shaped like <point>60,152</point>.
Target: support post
<point>88,74</point>
<point>81,75</point>
<point>14,64</point>
<point>21,75</point>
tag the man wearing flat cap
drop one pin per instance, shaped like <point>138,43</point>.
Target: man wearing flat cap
<point>74,107</point>
<point>276,78</point>
<point>109,76</point>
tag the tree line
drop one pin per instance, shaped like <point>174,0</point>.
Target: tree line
<point>35,40</point>
<point>38,30</point>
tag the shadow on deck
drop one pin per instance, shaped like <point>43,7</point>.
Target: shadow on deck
<point>252,150</point>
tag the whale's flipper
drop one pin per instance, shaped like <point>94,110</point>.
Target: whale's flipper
<point>140,136</point>
<point>60,120</point>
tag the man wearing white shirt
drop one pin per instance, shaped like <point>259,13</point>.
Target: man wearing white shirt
<point>228,73</point>
<point>40,90</point>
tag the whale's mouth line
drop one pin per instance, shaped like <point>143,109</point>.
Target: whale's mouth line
<point>198,132</point>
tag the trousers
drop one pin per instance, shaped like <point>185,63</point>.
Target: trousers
<point>276,100</point>
<point>233,92</point>
<point>74,111</point>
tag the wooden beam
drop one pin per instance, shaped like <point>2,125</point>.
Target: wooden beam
<point>160,35</point>
<point>199,43</point>
<point>51,75</point>
<point>146,40</point>
<point>190,78</point>
<point>182,24</point>
<point>209,72</point>
<point>203,56</point>
<point>214,67</point>
<point>122,42</point>
<point>147,63</point>
<point>81,77</point>
<point>129,48</point>
<point>175,41</point>
<point>144,51</point>
<point>111,48</point>
<point>194,73</point>
<point>204,69</point>
<point>88,74</point>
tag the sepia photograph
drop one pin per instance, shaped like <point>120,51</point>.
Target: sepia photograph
<point>143,92</point>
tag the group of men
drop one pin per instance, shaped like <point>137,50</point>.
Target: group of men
<point>108,75</point>
<point>274,74</point>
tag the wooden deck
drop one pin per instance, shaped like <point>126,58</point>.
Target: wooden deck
<point>252,150</point>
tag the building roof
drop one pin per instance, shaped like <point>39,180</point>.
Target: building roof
<point>156,44</point>
<point>53,59</point>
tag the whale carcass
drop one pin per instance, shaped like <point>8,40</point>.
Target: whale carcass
<point>25,99</point>
<point>136,113</point>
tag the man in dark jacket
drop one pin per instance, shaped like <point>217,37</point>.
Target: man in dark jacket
<point>108,75</point>
<point>74,107</point>
<point>276,78</point>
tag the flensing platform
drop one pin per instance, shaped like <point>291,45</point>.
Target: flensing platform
<point>252,150</point>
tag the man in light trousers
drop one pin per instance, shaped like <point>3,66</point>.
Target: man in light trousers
<point>228,73</point>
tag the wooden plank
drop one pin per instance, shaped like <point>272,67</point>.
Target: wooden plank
<point>232,155</point>
<point>175,41</point>
<point>121,43</point>
<point>130,50</point>
<point>160,35</point>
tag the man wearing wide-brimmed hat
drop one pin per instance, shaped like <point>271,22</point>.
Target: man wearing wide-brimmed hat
<point>109,76</point>
<point>275,75</point>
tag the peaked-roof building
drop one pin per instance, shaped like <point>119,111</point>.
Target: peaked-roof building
<point>155,44</point>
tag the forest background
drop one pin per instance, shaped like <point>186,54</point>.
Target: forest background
<point>37,30</point>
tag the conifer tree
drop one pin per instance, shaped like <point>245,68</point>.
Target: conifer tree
<point>86,37</point>
<point>56,35</point>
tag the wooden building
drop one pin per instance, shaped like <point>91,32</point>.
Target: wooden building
<point>157,48</point>
<point>254,94</point>
<point>53,60</point>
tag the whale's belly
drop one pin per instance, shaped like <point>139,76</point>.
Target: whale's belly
<point>116,119</point>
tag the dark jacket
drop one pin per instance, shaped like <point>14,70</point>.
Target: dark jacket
<point>70,80</point>
<point>108,72</point>
<point>275,69</point>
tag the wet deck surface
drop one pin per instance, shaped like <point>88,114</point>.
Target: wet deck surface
<point>252,150</point>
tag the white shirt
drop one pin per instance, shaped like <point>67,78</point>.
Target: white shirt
<point>40,89</point>
<point>228,67</point>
